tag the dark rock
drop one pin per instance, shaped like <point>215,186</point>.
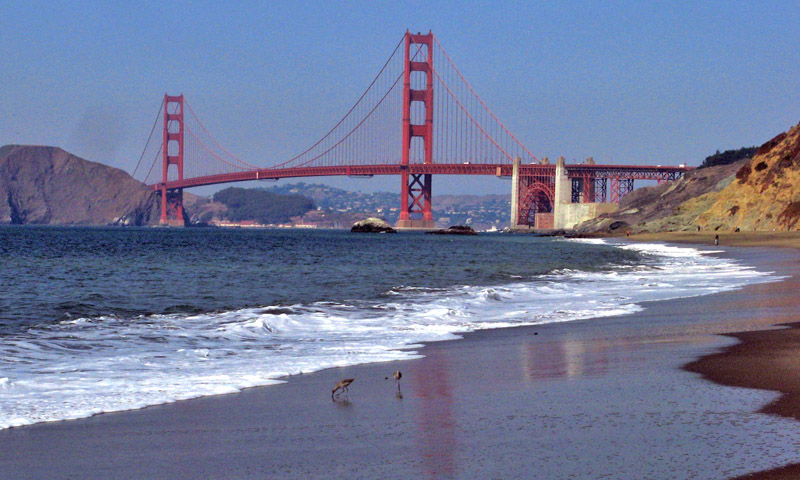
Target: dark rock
<point>455,230</point>
<point>46,185</point>
<point>617,225</point>
<point>372,225</point>
<point>767,147</point>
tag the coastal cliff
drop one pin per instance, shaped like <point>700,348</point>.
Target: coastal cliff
<point>757,194</point>
<point>766,193</point>
<point>46,185</point>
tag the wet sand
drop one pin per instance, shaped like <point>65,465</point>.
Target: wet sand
<point>768,359</point>
<point>603,398</point>
<point>727,238</point>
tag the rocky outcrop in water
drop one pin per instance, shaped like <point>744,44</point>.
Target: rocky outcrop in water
<point>372,225</point>
<point>46,185</point>
<point>455,230</point>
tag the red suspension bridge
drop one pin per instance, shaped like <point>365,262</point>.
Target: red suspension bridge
<point>418,118</point>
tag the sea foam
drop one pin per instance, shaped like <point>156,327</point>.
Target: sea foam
<point>85,366</point>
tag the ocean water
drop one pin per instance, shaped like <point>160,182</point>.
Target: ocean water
<point>97,320</point>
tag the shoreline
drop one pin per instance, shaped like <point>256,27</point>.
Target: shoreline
<point>273,381</point>
<point>765,359</point>
<point>727,238</point>
<point>466,403</point>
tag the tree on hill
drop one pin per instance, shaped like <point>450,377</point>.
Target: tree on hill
<point>728,157</point>
<point>261,205</point>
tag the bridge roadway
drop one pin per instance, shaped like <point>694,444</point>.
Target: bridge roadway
<point>636,172</point>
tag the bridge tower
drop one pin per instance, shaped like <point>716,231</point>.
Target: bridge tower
<point>415,196</point>
<point>172,154</point>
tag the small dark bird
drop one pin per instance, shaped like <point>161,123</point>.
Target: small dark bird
<point>397,376</point>
<point>342,385</point>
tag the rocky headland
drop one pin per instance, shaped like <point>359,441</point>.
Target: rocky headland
<point>48,186</point>
<point>757,194</point>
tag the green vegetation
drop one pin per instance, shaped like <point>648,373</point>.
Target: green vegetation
<point>261,205</point>
<point>728,157</point>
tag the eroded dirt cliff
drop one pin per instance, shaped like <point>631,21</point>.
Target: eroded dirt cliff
<point>758,194</point>
<point>765,195</point>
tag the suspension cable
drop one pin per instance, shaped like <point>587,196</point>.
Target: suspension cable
<point>214,140</point>
<point>470,115</point>
<point>200,142</point>
<point>349,111</point>
<point>354,128</point>
<point>160,148</point>
<point>481,101</point>
<point>148,140</point>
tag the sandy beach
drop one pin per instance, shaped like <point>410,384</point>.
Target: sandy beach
<point>763,359</point>
<point>603,398</point>
<point>727,238</point>
<point>767,360</point>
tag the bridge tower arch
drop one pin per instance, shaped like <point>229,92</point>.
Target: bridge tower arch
<point>172,154</point>
<point>416,189</point>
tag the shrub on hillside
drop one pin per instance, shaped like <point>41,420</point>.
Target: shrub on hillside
<point>261,205</point>
<point>728,156</point>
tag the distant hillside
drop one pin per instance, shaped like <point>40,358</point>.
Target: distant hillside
<point>46,185</point>
<point>341,206</point>
<point>331,198</point>
<point>203,209</point>
<point>757,194</point>
<point>338,208</point>
<point>262,206</point>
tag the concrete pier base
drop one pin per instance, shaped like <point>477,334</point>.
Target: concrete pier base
<point>416,225</point>
<point>174,222</point>
<point>515,194</point>
<point>567,215</point>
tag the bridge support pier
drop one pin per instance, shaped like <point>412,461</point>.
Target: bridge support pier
<point>531,197</point>
<point>416,200</point>
<point>575,200</point>
<point>415,197</point>
<point>172,154</point>
<point>514,224</point>
<point>172,214</point>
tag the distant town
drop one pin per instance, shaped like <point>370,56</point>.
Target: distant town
<point>312,205</point>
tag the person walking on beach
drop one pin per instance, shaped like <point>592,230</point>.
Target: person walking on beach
<point>716,239</point>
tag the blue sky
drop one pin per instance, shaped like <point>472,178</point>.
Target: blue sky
<point>624,82</point>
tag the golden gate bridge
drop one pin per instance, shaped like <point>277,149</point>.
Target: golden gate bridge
<point>418,117</point>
